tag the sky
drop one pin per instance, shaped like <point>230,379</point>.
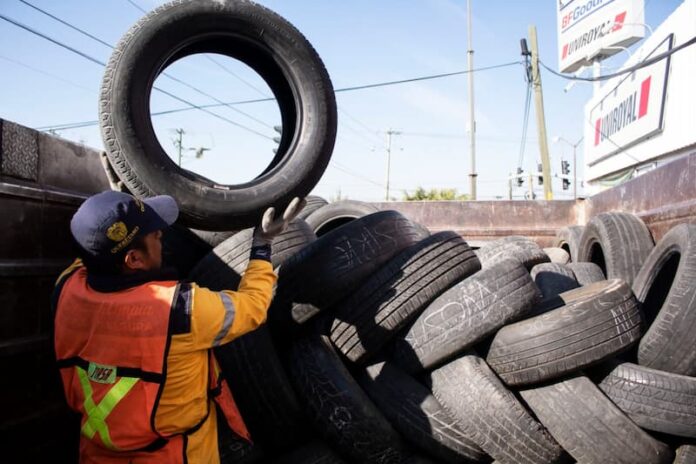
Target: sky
<point>360,42</point>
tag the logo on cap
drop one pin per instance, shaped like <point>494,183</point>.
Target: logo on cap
<point>117,231</point>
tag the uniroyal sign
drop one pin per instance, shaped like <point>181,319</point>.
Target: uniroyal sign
<point>588,29</point>
<point>627,112</point>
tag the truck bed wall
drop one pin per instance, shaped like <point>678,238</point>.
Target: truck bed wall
<point>43,179</point>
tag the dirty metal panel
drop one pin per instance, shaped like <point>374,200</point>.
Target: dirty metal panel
<point>483,221</point>
<point>19,151</point>
<point>662,198</point>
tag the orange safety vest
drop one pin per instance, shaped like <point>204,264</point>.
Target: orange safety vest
<point>111,349</point>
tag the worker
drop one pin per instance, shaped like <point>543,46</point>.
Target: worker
<point>134,344</point>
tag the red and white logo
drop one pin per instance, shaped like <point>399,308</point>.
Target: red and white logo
<point>628,111</point>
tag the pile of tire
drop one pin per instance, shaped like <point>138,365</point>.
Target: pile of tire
<point>386,343</point>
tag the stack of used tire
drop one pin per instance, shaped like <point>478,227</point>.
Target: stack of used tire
<point>389,344</point>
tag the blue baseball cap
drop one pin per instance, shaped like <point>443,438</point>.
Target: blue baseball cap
<point>107,223</point>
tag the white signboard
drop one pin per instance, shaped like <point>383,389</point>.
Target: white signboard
<point>628,111</point>
<point>590,28</point>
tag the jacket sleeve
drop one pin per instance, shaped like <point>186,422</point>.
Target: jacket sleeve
<point>220,317</point>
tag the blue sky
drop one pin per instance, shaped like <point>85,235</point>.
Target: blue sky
<point>360,42</point>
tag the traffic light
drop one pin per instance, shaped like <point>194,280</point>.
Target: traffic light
<point>519,178</point>
<point>540,177</point>
<point>565,170</point>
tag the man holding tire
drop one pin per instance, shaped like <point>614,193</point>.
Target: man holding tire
<point>134,344</point>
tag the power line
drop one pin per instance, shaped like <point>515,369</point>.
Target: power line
<point>94,60</point>
<point>136,6</point>
<point>642,64</point>
<point>169,76</point>
<point>46,73</point>
<point>260,100</point>
<point>525,124</point>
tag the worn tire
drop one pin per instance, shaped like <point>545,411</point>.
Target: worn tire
<point>267,43</point>
<point>586,273</point>
<point>666,288</point>
<point>340,410</point>
<point>394,295</point>
<point>618,243</point>
<point>417,415</point>
<point>597,322</point>
<point>314,452</point>
<point>653,399</point>
<point>262,390</point>
<point>553,279</point>
<point>182,249</point>
<point>490,415</point>
<point>522,249</point>
<point>557,255</point>
<point>222,268</point>
<point>333,215</point>
<point>568,238</point>
<point>686,454</point>
<point>590,427</point>
<point>213,238</point>
<point>466,314</point>
<point>313,203</point>
<point>326,270</point>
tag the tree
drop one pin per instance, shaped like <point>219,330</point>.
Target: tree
<point>420,194</point>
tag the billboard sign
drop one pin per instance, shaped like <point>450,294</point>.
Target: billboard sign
<point>628,111</point>
<point>588,29</point>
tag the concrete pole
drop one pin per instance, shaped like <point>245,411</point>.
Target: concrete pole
<point>472,122</point>
<point>390,132</point>
<point>531,186</point>
<point>541,120</point>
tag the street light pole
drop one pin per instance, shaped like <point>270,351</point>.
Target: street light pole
<point>390,132</point>
<point>575,161</point>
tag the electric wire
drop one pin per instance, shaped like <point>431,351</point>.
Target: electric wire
<point>630,69</point>
<point>525,124</point>
<point>45,73</point>
<point>169,76</point>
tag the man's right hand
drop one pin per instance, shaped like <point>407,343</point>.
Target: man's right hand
<point>271,227</point>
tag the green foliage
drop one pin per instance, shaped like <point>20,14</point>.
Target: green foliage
<point>420,194</point>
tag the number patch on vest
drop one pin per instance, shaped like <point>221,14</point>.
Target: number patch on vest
<point>101,373</point>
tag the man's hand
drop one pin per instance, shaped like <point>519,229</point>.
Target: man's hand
<point>270,226</point>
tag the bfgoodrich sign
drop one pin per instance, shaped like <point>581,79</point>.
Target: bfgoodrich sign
<point>629,111</point>
<point>588,29</point>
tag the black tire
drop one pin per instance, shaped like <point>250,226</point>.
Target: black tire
<point>490,415</point>
<point>590,427</point>
<point>311,453</point>
<point>329,268</point>
<point>557,255</point>
<point>313,203</point>
<point>553,279</point>
<point>394,295</point>
<point>666,288</point>
<point>519,248</point>
<point>587,273</point>
<point>262,390</point>
<point>233,448</point>
<point>213,238</point>
<point>618,243</point>
<point>265,42</point>
<point>466,314</point>
<point>182,249</point>
<point>333,215</point>
<point>568,238</point>
<point>686,454</point>
<point>597,322</point>
<point>340,411</point>
<point>222,268</point>
<point>655,400</point>
<point>417,415</point>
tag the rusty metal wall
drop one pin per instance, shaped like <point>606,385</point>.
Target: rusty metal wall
<point>43,179</point>
<point>662,198</point>
<point>482,221</point>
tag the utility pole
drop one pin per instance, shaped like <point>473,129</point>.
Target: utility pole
<point>510,187</point>
<point>531,186</point>
<point>472,122</point>
<point>179,143</point>
<point>390,132</point>
<point>539,110</point>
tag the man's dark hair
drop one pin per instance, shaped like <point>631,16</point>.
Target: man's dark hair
<point>112,265</point>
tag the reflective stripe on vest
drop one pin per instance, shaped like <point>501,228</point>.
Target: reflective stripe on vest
<point>97,413</point>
